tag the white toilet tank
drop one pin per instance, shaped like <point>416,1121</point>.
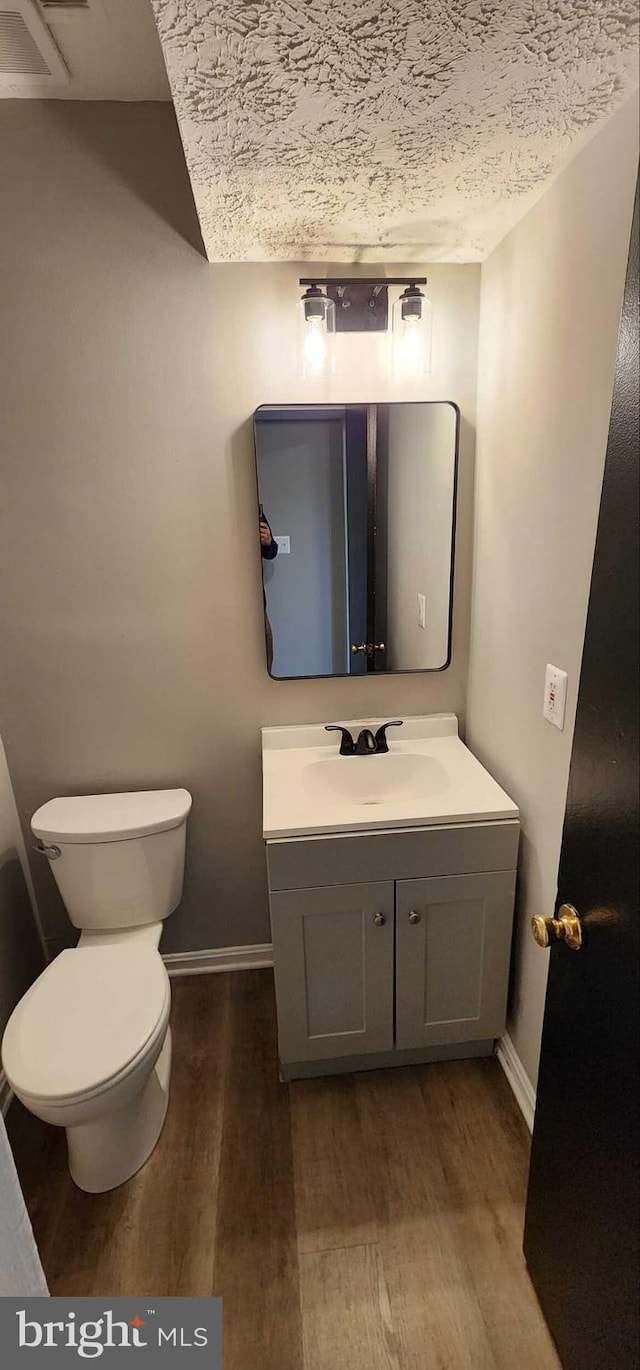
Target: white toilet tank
<point>118,859</point>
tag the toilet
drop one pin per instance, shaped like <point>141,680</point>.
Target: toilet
<point>88,1047</point>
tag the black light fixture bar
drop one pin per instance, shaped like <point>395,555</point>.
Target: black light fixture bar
<point>361,302</point>
<point>363,280</point>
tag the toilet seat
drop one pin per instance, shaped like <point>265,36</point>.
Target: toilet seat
<point>86,1022</point>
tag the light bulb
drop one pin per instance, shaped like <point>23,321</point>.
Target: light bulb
<point>316,326</point>
<point>411,348</point>
<point>411,336</point>
<point>314,352</point>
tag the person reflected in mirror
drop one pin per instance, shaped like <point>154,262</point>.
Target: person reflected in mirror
<point>268,551</point>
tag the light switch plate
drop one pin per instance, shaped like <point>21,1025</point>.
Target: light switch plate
<point>284,546</point>
<point>555,696</point>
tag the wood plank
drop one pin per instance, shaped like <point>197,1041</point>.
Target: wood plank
<point>256,1260</point>
<point>346,1317</point>
<point>453,1150</point>
<point>477,1132</point>
<point>335,1206</point>
<point>434,1310</point>
<point>175,1202</point>
<point>490,1240</point>
<point>40,1154</point>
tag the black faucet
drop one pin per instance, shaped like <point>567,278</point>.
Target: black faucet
<point>367,744</point>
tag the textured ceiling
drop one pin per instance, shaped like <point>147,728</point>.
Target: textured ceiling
<point>374,130</point>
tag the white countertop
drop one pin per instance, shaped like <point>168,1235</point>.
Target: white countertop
<point>444,783</point>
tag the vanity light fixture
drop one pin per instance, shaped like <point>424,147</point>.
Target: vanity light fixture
<point>339,304</point>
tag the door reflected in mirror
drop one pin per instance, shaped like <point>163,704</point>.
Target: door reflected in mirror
<point>356,524</point>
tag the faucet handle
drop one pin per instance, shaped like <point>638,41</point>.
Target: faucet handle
<point>381,736</point>
<point>347,744</point>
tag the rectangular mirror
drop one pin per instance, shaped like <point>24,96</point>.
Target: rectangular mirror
<point>356,520</point>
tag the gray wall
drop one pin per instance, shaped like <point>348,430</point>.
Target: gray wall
<point>301,486</point>
<point>551,300</point>
<point>422,444</point>
<point>130,594</point>
<point>21,949</point>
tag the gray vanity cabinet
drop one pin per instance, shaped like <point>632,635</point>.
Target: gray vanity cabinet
<point>333,962</point>
<point>391,948</point>
<point>453,938</point>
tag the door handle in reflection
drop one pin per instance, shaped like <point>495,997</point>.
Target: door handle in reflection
<point>565,928</point>
<point>368,647</point>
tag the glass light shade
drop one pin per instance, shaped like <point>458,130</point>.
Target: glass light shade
<point>411,336</point>
<point>316,330</point>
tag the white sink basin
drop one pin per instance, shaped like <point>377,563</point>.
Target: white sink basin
<point>427,777</point>
<point>373,779</point>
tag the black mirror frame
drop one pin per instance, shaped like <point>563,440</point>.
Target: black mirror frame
<point>419,670</point>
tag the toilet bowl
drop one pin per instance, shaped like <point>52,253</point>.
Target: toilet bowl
<point>88,1047</point>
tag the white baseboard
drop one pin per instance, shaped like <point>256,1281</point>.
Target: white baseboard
<point>219,959</point>
<point>525,1094</point>
<point>6,1094</point>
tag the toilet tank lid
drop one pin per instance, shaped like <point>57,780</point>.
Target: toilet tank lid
<point>110,817</point>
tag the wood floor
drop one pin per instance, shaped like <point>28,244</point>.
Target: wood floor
<point>367,1222</point>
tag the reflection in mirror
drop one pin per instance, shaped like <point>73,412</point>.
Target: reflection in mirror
<point>356,520</point>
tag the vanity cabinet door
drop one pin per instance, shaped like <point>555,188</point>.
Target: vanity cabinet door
<point>453,941</point>
<point>333,965</point>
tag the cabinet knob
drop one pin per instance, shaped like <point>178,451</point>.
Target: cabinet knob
<point>414,917</point>
<point>379,920</point>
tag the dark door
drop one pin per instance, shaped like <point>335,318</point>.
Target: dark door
<point>366,429</point>
<point>581,1235</point>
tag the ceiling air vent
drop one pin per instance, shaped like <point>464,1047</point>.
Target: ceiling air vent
<point>28,54</point>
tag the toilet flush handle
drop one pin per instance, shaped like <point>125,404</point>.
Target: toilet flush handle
<point>52,852</point>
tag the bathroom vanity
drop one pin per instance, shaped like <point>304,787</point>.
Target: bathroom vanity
<point>391,891</point>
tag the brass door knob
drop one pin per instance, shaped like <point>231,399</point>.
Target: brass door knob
<point>379,920</point>
<point>414,917</point>
<point>358,647</point>
<point>565,928</point>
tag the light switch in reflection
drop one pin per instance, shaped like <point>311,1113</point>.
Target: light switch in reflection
<point>555,696</point>
<point>422,611</point>
<point>284,546</point>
